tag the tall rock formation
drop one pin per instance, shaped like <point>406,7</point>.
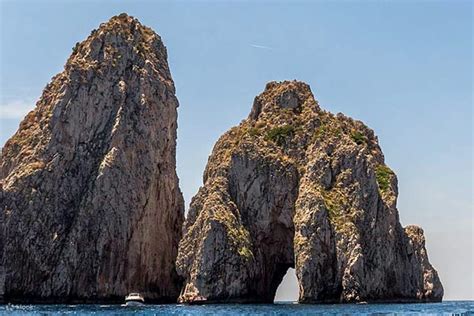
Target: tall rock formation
<point>296,186</point>
<point>90,204</point>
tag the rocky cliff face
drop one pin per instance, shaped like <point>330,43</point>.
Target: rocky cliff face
<point>296,186</point>
<point>90,203</point>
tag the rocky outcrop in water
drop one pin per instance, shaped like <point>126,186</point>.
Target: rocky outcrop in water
<point>90,204</point>
<point>296,186</point>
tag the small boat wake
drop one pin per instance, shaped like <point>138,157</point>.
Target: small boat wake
<point>134,299</point>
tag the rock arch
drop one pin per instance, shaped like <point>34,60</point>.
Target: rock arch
<point>295,186</point>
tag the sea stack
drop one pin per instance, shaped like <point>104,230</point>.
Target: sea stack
<point>296,186</point>
<point>90,204</point>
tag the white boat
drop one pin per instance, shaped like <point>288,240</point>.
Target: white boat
<point>134,299</point>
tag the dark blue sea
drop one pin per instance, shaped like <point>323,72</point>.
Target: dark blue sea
<point>283,308</point>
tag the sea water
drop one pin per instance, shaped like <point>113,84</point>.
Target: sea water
<point>281,308</point>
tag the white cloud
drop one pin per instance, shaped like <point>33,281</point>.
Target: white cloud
<point>16,108</point>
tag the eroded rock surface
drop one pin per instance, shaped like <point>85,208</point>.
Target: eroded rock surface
<point>296,186</point>
<point>90,204</point>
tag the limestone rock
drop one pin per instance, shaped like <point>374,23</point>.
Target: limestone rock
<point>296,186</point>
<point>90,204</point>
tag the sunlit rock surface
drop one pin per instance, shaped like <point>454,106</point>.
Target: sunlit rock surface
<point>296,186</point>
<point>90,204</point>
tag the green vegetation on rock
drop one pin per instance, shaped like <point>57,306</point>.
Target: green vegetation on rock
<point>332,209</point>
<point>246,253</point>
<point>320,132</point>
<point>358,137</point>
<point>280,134</point>
<point>239,236</point>
<point>254,131</point>
<point>75,48</point>
<point>333,202</point>
<point>327,129</point>
<point>383,175</point>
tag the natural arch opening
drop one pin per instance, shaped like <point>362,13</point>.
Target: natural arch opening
<point>288,289</point>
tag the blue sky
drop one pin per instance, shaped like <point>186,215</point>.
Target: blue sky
<point>404,68</point>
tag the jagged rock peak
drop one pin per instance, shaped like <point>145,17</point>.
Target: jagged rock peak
<point>122,31</point>
<point>118,44</point>
<point>91,208</point>
<point>291,95</point>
